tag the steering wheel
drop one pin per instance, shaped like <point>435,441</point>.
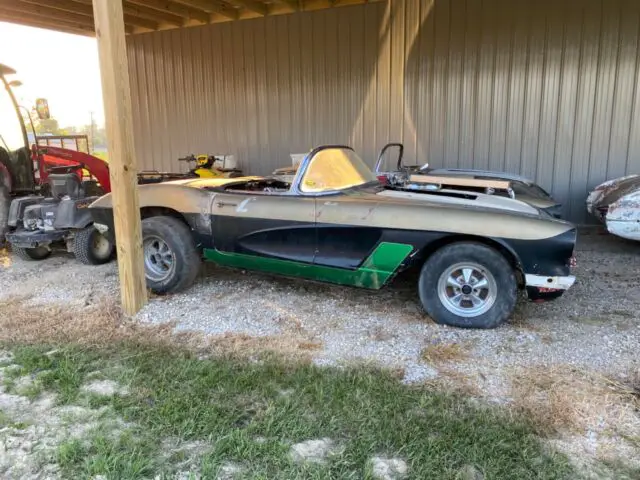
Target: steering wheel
<point>65,168</point>
<point>400,147</point>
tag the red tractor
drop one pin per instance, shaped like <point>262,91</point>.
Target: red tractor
<point>43,192</point>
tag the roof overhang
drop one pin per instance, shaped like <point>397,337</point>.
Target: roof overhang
<point>141,16</point>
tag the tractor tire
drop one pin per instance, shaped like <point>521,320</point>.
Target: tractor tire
<point>90,247</point>
<point>171,260</point>
<point>468,285</point>
<point>5,201</point>
<point>31,254</point>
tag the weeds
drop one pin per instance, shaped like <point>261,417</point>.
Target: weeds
<point>437,353</point>
<point>564,399</point>
<point>238,409</point>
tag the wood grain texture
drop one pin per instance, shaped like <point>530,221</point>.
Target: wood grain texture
<point>119,124</point>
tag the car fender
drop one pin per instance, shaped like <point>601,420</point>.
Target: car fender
<point>193,204</point>
<point>606,192</point>
<point>623,216</point>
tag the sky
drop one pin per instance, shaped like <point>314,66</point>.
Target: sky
<point>60,67</point>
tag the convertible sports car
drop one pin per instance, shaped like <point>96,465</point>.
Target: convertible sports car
<point>416,177</point>
<point>336,223</point>
<point>616,203</point>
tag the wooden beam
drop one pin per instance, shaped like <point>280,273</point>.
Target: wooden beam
<point>30,21</point>
<point>114,71</point>
<point>84,7</point>
<point>151,14</point>
<point>129,18</point>
<point>175,9</point>
<point>46,13</point>
<point>213,6</point>
<point>64,5</point>
<point>68,10</point>
<point>253,5</point>
<point>294,5</point>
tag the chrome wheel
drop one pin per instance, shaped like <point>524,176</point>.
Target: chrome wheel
<point>159,259</point>
<point>467,289</point>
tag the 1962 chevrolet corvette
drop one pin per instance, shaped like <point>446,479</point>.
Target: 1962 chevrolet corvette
<point>335,222</point>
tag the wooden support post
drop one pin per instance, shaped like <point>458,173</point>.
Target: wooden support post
<point>116,94</point>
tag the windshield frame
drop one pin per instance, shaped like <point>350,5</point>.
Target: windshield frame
<point>306,162</point>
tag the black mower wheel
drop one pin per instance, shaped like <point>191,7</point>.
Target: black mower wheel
<point>171,259</point>
<point>31,254</point>
<point>468,285</point>
<point>5,201</point>
<point>91,247</point>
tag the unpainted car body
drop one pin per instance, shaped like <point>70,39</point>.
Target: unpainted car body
<point>336,223</point>
<point>616,203</point>
<point>420,177</point>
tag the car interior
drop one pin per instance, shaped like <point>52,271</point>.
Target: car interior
<point>259,186</point>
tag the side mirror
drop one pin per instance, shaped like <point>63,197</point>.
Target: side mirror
<point>42,107</point>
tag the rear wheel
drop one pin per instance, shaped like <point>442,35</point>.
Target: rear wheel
<point>30,254</point>
<point>171,259</point>
<point>91,247</point>
<point>468,285</point>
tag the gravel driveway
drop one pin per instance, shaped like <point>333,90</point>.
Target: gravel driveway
<point>595,327</point>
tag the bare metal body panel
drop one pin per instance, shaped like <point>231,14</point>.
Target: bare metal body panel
<point>409,211</point>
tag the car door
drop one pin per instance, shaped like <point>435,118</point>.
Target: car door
<point>269,225</point>
<point>344,238</point>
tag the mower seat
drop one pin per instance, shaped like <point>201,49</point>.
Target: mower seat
<point>62,184</point>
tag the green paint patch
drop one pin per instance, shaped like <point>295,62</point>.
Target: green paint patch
<point>374,273</point>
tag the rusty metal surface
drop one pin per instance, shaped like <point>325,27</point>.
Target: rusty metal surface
<point>609,192</point>
<point>623,216</point>
<point>546,89</point>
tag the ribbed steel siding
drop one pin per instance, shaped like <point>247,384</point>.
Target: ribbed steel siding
<point>548,89</point>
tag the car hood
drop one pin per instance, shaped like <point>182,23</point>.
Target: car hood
<point>461,199</point>
<point>446,211</point>
<point>480,173</point>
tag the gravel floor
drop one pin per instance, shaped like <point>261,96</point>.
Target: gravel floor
<point>594,327</point>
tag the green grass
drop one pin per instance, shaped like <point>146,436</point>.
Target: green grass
<point>251,412</point>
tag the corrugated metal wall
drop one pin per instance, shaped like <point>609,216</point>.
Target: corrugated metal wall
<point>548,89</point>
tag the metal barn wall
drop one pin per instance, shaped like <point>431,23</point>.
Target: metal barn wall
<point>548,89</point>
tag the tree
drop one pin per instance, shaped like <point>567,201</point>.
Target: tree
<point>49,125</point>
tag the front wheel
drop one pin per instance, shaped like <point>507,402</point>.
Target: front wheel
<point>30,254</point>
<point>171,259</point>
<point>91,247</point>
<point>468,285</point>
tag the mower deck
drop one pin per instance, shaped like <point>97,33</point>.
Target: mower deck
<point>25,239</point>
